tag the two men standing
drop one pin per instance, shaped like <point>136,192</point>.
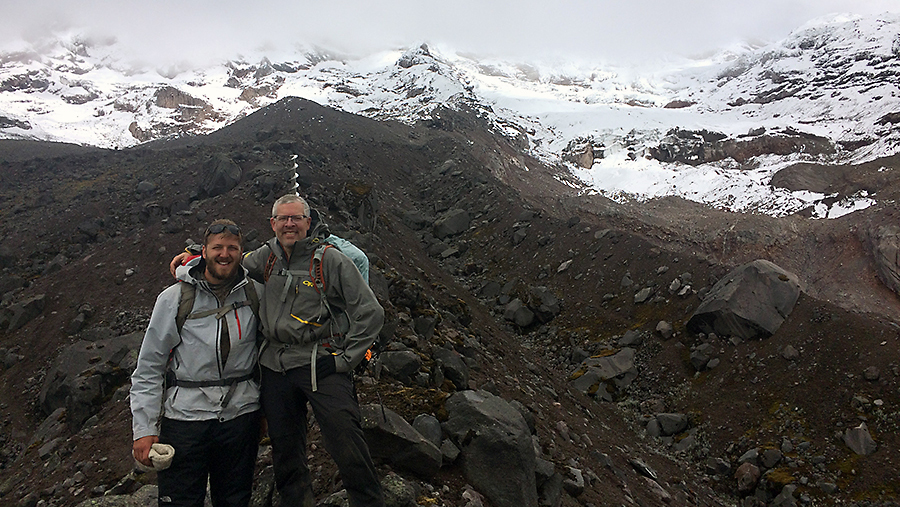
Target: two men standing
<point>318,318</point>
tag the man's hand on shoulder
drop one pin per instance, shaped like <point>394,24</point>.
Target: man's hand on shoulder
<point>141,449</point>
<point>178,260</point>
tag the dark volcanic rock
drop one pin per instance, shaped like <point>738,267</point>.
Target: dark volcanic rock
<point>497,452</point>
<point>750,302</point>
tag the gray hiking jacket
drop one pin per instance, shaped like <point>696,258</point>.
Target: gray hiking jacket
<point>298,326</point>
<point>196,356</point>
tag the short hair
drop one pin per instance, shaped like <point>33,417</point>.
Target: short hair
<point>225,222</point>
<point>288,199</point>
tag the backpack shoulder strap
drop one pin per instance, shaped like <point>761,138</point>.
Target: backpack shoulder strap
<point>252,297</point>
<point>270,265</point>
<point>316,272</point>
<point>185,304</point>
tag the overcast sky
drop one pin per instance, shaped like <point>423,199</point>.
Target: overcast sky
<point>169,31</point>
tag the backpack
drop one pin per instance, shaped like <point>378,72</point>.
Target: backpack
<point>316,274</point>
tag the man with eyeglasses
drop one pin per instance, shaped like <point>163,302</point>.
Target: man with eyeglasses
<point>194,386</point>
<point>312,343</point>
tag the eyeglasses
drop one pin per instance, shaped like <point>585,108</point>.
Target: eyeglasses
<point>285,218</point>
<point>220,228</point>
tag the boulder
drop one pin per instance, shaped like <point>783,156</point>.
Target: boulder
<point>451,223</point>
<point>429,427</point>
<point>393,439</point>
<point>544,304</point>
<point>672,424</point>
<point>885,245</point>
<point>606,375</point>
<point>7,257</point>
<point>750,302</point>
<point>747,475</point>
<point>859,440</point>
<point>220,174</point>
<point>454,367</point>
<point>87,373</point>
<point>497,451</point>
<point>517,313</point>
<point>398,492</point>
<point>24,312</point>
<point>401,365</point>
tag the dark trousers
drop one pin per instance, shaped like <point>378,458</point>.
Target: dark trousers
<point>334,404</point>
<point>223,452</point>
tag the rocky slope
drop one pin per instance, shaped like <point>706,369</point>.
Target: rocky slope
<point>86,235</point>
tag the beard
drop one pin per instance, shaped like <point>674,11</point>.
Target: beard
<point>221,273</point>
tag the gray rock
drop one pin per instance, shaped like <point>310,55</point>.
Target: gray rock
<point>544,303</point>
<point>53,426</point>
<point>752,301</point>
<point>429,427</point>
<point>145,187</point>
<point>859,440</point>
<point>665,330</point>
<point>717,466</point>
<point>747,475</point>
<point>401,365</point>
<point>519,314</point>
<point>393,439</point>
<point>653,428</point>
<point>672,424</point>
<point>24,312</point>
<point>631,338</point>
<point>451,223</point>
<point>453,367</point>
<point>398,492</point>
<point>498,455</point>
<point>685,443</point>
<point>86,373</point>
<point>751,456</point>
<point>597,373</point>
<point>827,487</point>
<point>872,373</point>
<point>771,457</point>
<point>643,295</point>
<point>574,484</point>
<point>415,220</point>
<point>220,174</point>
<point>549,483</point>
<point>700,356</point>
<point>786,497</point>
<point>449,451</point>
<point>790,353</point>
<point>144,497</point>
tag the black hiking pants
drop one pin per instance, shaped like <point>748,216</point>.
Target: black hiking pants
<point>334,404</point>
<point>222,451</point>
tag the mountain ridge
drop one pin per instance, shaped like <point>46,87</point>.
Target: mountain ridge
<point>823,80</point>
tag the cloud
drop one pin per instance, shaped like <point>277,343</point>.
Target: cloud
<point>169,31</point>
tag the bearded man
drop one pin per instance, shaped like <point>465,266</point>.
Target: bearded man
<point>194,387</point>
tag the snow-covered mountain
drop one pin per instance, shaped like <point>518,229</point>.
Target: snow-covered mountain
<point>712,130</point>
